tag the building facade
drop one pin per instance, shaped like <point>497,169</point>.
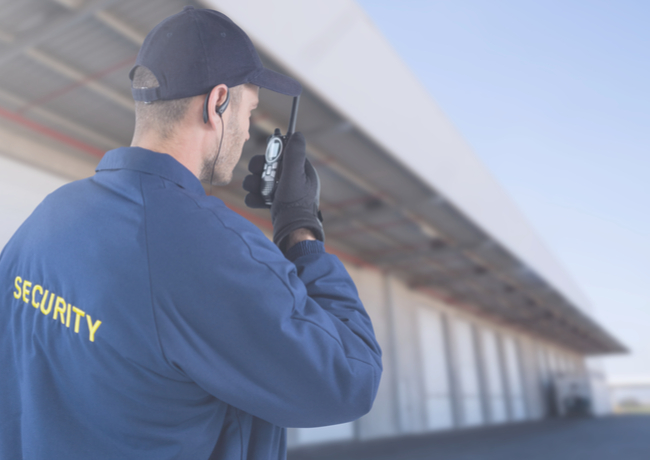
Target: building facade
<point>445,368</point>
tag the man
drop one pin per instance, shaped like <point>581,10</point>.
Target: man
<point>143,319</point>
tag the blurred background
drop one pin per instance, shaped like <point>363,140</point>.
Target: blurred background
<point>485,173</point>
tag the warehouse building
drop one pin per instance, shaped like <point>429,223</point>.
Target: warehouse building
<point>478,323</point>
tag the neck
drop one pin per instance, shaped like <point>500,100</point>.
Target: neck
<point>184,145</point>
<point>188,142</point>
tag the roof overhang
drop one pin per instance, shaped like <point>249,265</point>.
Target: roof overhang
<point>402,194</point>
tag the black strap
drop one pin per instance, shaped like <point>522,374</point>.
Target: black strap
<point>145,94</point>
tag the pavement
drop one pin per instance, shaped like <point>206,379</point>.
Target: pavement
<point>607,438</point>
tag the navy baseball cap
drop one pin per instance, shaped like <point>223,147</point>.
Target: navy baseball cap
<point>195,50</point>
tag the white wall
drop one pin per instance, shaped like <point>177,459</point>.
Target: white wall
<point>22,188</point>
<point>600,392</point>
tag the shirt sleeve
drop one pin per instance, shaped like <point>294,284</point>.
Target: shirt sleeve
<point>284,340</point>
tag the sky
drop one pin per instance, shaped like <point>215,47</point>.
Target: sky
<point>554,98</point>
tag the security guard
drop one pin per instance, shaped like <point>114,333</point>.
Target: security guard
<point>142,319</point>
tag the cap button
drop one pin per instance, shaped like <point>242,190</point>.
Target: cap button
<point>188,7</point>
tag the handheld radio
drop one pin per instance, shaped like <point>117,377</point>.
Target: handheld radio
<point>273,157</point>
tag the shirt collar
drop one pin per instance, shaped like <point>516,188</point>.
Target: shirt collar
<point>150,162</point>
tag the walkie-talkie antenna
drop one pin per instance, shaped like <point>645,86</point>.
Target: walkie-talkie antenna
<point>294,116</point>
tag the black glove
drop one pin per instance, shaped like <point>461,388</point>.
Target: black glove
<point>296,200</point>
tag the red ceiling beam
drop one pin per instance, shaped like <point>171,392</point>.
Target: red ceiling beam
<point>66,89</point>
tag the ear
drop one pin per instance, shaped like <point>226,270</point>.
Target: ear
<point>219,98</point>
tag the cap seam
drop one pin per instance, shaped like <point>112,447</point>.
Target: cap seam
<point>205,53</point>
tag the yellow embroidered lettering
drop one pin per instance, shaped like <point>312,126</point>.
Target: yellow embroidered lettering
<point>26,291</point>
<point>79,314</point>
<point>59,306</point>
<point>36,304</point>
<point>49,307</point>
<point>18,294</point>
<point>45,300</point>
<point>92,328</point>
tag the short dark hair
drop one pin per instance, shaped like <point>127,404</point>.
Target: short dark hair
<point>160,116</point>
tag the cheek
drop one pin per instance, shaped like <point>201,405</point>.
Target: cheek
<point>246,124</point>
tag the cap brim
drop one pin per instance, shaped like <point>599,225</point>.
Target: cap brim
<point>276,82</point>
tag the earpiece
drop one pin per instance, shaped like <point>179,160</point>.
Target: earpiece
<point>220,109</point>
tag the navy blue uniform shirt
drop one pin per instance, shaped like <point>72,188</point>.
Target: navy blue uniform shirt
<point>142,319</point>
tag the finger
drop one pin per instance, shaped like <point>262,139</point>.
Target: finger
<point>252,183</point>
<point>253,200</point>
<point>293,163</point>
<point>314,180</point>
<point>256,165</point>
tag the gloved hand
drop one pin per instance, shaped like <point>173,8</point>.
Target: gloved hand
<point>296,200</point>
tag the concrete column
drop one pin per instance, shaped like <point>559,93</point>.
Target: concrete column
<point>406,343</point>
<point>545,379</point>
<point>452,371</point>
<point>419,369</point>
<point>531,378</point>
<point>507,391</point>
<point>482,375</point>
<point>523,376</point>
<point>375,293</point>
<point>399,423</point>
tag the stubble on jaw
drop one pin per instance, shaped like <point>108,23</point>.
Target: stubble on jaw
<point>216,167</point>
<point>209,169</point>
